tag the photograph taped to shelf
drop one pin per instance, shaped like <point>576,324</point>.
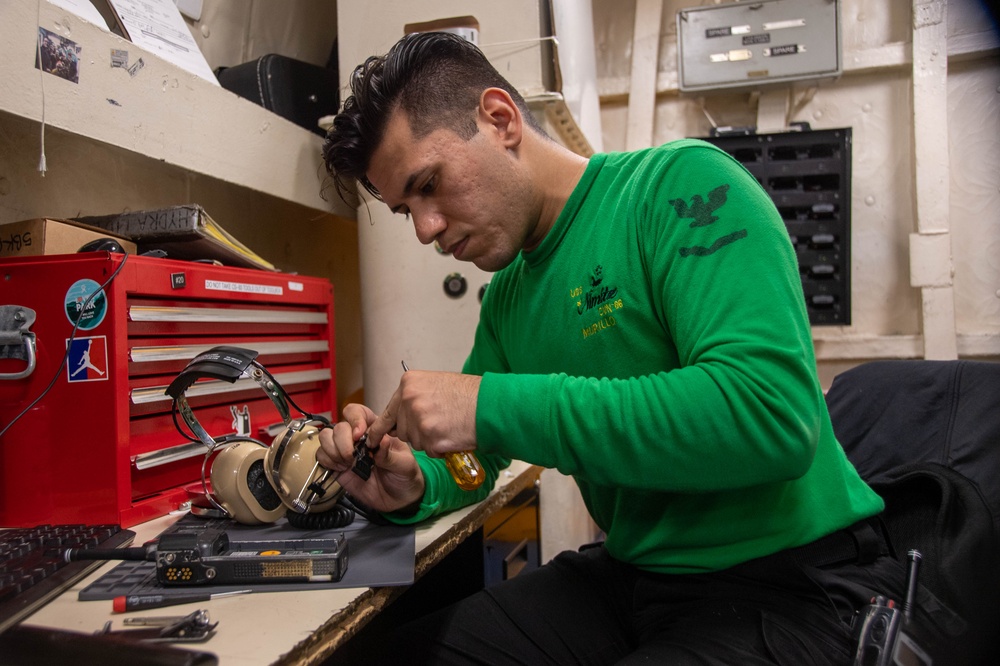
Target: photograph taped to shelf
<point>58,55</point>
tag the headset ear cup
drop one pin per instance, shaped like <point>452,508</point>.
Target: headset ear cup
<point>241,486</point>
<point>293,471</point>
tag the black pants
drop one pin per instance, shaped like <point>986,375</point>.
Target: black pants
<point>794,607</point>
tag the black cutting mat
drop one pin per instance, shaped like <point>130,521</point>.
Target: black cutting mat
<point>378,555</point>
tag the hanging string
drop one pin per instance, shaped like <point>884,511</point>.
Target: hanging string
<point>41,81</point>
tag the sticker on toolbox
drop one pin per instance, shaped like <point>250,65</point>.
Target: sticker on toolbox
<point>92,315</point>
<point>87,359</point>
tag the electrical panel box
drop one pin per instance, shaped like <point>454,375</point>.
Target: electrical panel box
<point>748,44</point>
<point>808,176</point>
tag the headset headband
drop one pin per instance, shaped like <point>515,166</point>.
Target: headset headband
<point>227,364</point>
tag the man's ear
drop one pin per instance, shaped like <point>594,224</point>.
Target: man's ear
<point>499,112</point>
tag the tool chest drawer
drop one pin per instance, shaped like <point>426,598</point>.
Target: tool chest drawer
<point>110,332</point>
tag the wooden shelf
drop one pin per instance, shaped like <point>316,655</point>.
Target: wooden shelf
<point>162,112</point>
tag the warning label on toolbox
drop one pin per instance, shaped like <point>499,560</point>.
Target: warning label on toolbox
<point>244,287</point>
<point>87,359</point>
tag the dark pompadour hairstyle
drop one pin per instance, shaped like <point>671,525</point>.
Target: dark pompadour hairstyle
<point>436,77</point>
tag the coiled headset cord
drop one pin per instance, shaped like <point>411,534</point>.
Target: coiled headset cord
<point>341,515</point>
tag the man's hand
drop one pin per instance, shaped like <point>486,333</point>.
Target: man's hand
<point>432,411</point>
<point>396,481</point>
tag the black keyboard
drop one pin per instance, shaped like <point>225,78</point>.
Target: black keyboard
<point>33,571</point>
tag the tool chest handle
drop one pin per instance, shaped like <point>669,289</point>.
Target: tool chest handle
<point>16,341</point>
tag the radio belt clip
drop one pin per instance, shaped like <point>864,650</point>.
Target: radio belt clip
<point>193,628</point>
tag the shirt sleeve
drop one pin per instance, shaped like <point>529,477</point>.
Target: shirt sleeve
<point>442,494</point>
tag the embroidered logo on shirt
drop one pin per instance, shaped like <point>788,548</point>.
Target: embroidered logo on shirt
<point>701,212</point>
<point>600,297</point>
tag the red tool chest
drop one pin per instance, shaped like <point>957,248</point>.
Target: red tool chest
<point>101,445</point>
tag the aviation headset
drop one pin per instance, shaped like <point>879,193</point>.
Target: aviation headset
<point>254,483</point>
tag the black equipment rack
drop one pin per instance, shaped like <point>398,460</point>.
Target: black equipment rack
<point>808,176</point>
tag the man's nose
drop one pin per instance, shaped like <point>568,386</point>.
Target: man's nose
<point>428,225</point>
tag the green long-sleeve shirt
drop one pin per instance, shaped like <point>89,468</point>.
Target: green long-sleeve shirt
<point>655,346</point>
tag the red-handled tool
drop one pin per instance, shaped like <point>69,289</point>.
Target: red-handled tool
<point>134,602</point>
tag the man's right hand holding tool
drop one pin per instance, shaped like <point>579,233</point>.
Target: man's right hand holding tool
<point>431,411</point>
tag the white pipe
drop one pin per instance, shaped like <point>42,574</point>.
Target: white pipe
<point>574,28</point>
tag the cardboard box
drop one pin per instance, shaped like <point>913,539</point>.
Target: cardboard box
<point>33,238</point>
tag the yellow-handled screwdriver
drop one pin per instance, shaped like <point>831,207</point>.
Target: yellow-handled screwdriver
<point>464,466</point>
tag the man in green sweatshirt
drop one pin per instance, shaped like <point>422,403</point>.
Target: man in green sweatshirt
<point>645,332</point>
